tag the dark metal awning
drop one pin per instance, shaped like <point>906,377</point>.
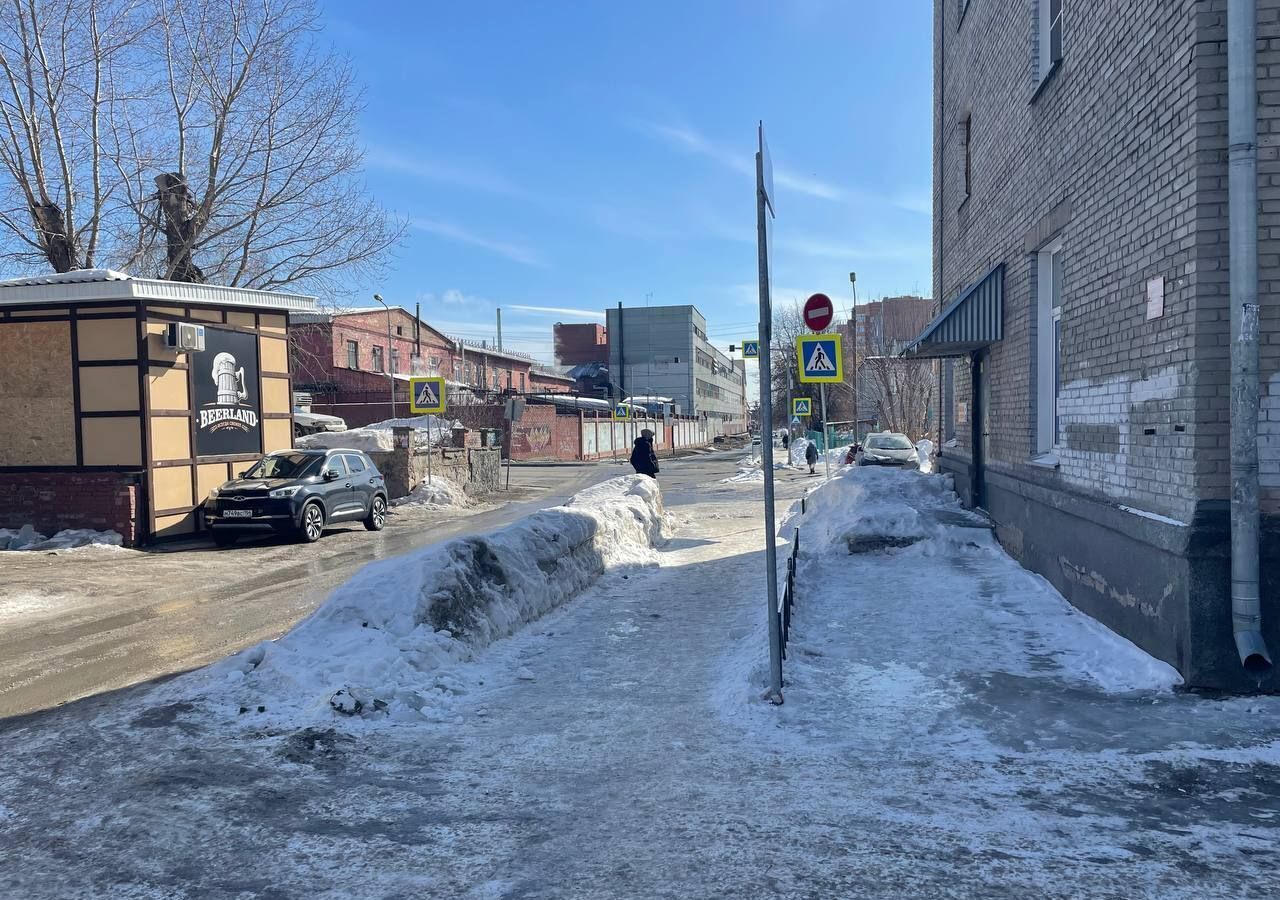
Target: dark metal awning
<point>974,321</point>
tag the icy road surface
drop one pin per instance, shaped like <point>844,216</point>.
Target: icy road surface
<point>952,729</point>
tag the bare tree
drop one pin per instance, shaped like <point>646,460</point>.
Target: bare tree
<point>900,390</point>
<point>66,84</point>
<point>265,189</point>
<point>188,139</point>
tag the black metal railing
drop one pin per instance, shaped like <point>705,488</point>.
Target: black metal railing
<point>788,601</point>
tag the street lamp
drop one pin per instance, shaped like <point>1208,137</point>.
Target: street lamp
<point>391,378</point>
<point>853,283</point>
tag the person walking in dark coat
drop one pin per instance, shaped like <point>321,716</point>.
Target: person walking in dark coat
<point>643,459</point>
<point>811,457</point>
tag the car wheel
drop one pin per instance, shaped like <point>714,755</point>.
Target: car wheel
<point>223,538</point>
<point>377,514</point>
<point>312,523</point>
<point>299,431</point>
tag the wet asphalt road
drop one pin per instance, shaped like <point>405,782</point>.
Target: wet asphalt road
<point>79,623</point>
<point>74,624</point>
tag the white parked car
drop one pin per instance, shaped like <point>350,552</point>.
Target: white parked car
<point>314,423</point>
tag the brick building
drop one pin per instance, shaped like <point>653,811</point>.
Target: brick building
<point>1081,253</point>
<point>580,344</point>
<point>343,360</point>
<point>880,329</point>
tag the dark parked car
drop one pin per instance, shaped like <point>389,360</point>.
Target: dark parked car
<point>299,492</point>
<point>888,449</point>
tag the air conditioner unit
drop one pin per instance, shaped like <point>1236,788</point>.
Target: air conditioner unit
<point>184,336</point>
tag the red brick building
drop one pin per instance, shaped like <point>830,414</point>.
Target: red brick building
<point>548,381</point>
<point>578,344</point>
<point>343,361</point>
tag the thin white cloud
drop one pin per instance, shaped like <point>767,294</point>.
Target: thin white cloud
<point>692,141</point>
<point>467,176</point>
<point>454,297</point>
<point>881,249</point>
<point>557,310</point>
<point>515,252</point>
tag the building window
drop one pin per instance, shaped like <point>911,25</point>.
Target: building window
<point>395,360</point>
<point>1050,36</point>
<point>400,330</point>
<point>966,135</point>
<point>353,355</point>
<point>377,359</point>
<point>1049,288</point>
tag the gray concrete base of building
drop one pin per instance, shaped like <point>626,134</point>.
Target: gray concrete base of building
<point>1165,587</point>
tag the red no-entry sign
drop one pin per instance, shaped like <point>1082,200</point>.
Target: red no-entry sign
<point>818,312</point>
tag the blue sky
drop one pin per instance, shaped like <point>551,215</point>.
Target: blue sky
<point>565,156</point>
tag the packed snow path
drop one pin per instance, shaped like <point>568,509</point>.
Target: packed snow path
<point>609,750</point>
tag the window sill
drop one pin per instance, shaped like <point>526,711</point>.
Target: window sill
<point>1053,70</point>
<point>1046,460</point>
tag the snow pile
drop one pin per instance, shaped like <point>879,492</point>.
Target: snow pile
<point>439,493</point>
<point>924,455</point>
<point>751,468</point>
<point>385,642</point>
<point>27,538</point>
<point>876,505</point>
<point>745,475</point>
<point>429,430</point>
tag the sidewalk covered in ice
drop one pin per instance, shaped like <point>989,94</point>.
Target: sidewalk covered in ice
<point>952,728</point>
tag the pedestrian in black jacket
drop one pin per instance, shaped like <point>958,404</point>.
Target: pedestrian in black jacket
<point>643,459</point>
<point>811,457</point>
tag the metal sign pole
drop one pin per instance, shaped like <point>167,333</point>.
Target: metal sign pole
<point>826,441</point>
<point>774,694</point>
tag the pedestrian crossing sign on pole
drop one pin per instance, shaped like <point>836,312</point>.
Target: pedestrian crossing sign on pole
<point>801,406</point>
<point>621,411</point>
<point>426,395</point>
<point>750,349</point>
<point>820,359</point>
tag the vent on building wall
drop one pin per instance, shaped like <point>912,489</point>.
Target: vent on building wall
<point>184,336</point>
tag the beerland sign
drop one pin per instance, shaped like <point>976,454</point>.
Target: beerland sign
<point>227,405</point>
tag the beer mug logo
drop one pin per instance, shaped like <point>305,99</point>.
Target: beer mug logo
<point>229,380</point>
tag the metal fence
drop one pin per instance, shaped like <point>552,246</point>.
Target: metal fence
<point>788,601</point>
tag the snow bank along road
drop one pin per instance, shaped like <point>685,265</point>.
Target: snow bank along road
<point>952,729</point>
<point>79,623</point>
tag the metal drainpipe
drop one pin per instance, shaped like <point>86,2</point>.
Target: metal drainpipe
<point>1242,197</point>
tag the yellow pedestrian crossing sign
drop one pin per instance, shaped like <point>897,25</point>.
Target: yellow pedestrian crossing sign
<point>621,411</point>
<point>820,358</point>
<point>801,406</point>
<point>750,349</point>
<point>426,395</point>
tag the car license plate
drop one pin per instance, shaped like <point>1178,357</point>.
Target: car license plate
<point>237,513</point>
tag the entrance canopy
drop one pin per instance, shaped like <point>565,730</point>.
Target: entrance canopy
<point>974,321</point>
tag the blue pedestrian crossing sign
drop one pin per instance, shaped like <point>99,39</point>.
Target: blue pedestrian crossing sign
<point>820,359</point>
<point>801,406</point>
<point>750,349</point>
<point>621,411</point>
<point>426,395</point>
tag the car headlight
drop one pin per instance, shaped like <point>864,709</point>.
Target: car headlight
<point>213,492</point>
<point>284,492</point>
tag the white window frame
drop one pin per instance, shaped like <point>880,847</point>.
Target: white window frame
<point>1048,354</point>
<point>1047,58</point>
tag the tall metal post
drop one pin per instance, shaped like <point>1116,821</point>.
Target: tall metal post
<point>826,441</point>
<point>391,378</point>
<point>499,328</point>
<point>764,209</point>
<point>853,334</point>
